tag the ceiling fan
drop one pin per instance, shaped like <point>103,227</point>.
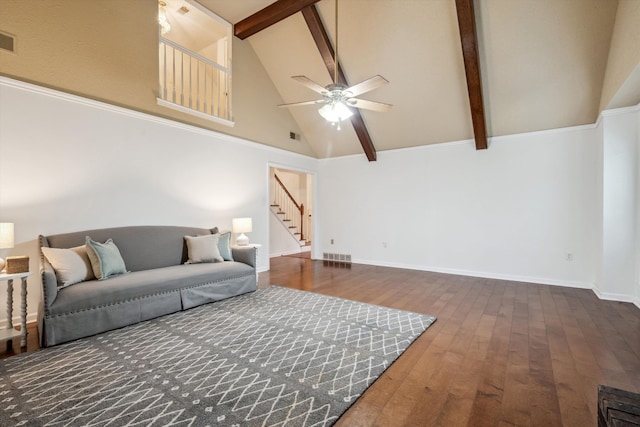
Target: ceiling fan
<point>337,98</point>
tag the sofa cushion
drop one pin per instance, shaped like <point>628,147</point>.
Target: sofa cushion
<point>203,248</point>
<point>71,265</point>
<point>90,294</point>
<point>105,258</point>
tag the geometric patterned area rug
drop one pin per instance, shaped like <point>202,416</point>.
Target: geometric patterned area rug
<point>274,357</point>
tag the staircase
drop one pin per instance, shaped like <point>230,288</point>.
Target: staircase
<point>289,212</point>
<point>287,223</point>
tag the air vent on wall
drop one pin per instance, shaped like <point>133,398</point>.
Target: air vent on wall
<point>326,256</point>
<point>7,42</point>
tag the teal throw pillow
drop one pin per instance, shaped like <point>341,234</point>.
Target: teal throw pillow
<point>105,258</point>
<point>224,245</point>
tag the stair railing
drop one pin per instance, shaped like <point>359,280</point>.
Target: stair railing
<point>294,211</point>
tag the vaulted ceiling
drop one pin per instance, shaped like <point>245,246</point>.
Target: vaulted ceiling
<point>542,65</point>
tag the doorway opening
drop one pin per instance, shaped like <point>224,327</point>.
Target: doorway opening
<point>291,211</point>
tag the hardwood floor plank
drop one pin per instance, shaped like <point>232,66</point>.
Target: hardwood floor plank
<point>490,392</point>
<point>574,409</point>
<point>515,407</point>
<point>543,397</point>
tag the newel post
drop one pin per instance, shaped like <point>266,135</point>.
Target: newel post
<point>301,221</point>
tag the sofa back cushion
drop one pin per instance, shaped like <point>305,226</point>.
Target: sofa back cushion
<point>141,247</point>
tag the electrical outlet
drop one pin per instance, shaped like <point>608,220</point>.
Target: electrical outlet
<point>384,245</point>
<point>569,256</point>
<point>332,241</point>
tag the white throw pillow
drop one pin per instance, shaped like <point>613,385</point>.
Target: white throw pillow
<point>203,248</point>
<point>71,265</point>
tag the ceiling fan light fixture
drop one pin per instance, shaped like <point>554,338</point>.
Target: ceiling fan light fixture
<point>339,99</point>
<point>334,112</point>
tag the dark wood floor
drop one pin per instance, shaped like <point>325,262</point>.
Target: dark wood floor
<point>501,353</point>
<point>32,343</point>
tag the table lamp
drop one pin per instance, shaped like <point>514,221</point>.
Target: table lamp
<point>6,239</point>
<point>242,225</point>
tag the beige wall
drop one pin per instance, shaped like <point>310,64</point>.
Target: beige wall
<point>108,50</point>
<point>624,55</point>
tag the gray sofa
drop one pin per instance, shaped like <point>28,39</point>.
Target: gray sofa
<point>158,283</point>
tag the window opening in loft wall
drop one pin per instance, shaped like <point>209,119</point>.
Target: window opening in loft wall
<point>194,60</point>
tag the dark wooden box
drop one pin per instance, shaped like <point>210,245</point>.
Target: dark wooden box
<point>617,407</point>
<point>17,264</point>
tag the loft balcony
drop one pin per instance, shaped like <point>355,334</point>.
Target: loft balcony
<point>194,84</point>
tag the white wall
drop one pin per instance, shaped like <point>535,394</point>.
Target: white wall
<point>620,205</point>
<point>70,164</point>
<point>637,295</point>
<point>599,206</point>
<point>513,211</point>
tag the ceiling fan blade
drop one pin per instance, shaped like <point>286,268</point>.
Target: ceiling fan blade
<point>367,85</point>
<point>297,104</point>
<point>369,105</point>
<point>309,83</point>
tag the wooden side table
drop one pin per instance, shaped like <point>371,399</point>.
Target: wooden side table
<point>9,333</point>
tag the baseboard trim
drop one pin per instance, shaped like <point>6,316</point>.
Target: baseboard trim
<point>31,318</point>
<point>611,296</point>
<point>607,296</point>
<point>483,274</point>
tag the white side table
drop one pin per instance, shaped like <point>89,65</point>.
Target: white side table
<point>9,333</point>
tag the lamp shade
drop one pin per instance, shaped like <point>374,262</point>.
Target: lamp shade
<point>242,225</point>
<point>6,235</point>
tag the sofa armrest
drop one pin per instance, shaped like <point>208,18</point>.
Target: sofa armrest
<point>49,280</point>
<point>244,254</point>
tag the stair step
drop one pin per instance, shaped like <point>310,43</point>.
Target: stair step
<point>275,206</point>
<point>286,220</point>
<point>292,226</point>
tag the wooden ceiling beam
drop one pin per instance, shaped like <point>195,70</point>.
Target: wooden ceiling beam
<point>469,39</point>
<point>268,16</point>
<point>325,48</point>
